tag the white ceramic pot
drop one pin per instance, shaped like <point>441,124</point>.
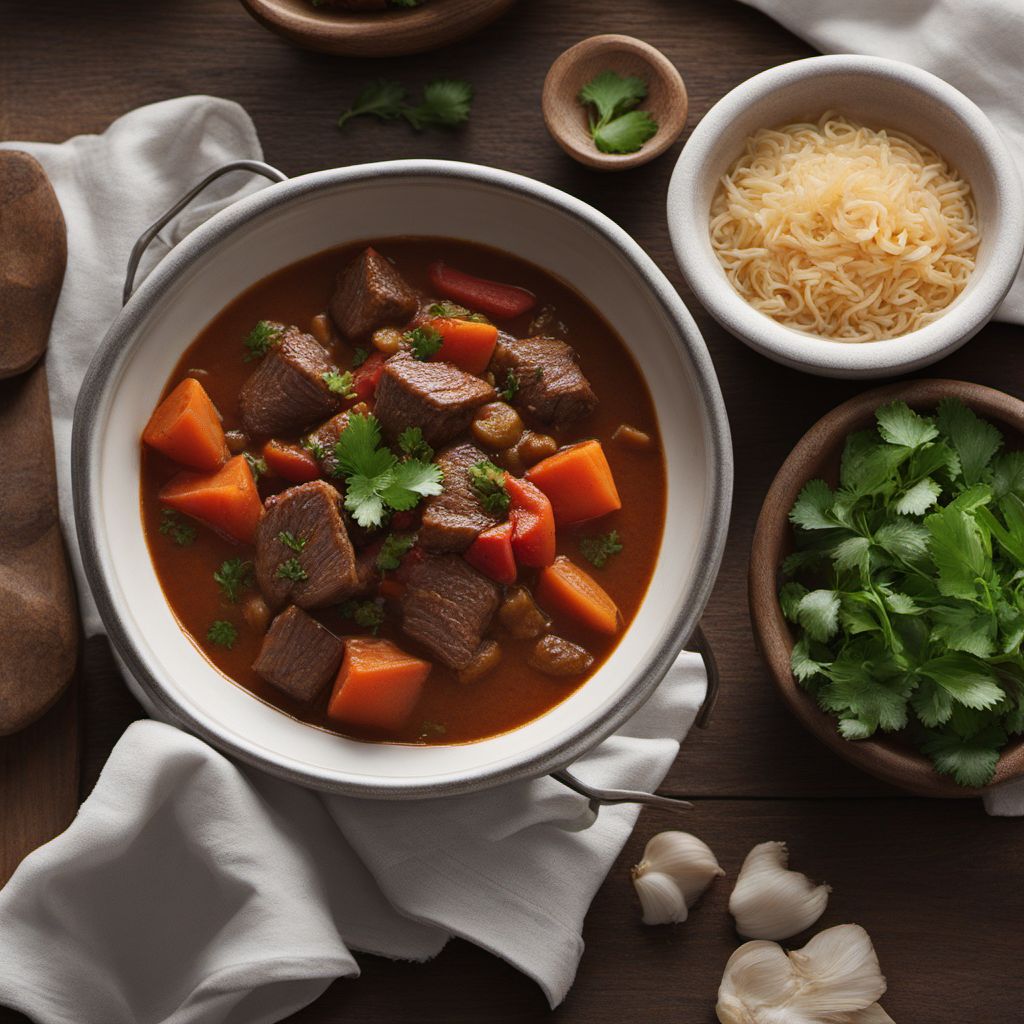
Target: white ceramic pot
<point>302,216</point>
<point>882,94</point>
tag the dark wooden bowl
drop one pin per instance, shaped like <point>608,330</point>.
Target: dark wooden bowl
<point>817,454</point>
<point>391,33</point>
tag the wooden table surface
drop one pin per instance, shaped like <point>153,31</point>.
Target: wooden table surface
<point>939,886</point>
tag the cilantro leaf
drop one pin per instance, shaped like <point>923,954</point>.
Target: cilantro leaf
<point>1008,474</point>
<point>811,510</point>
<point>967,680</point>
<point>818,613</point>
<point>488,482</point>
<point>261,339</point>
<point>974,440</point>
<point>382,98</point>
<point>918,498</point>
<point>411,443</point>
<point>625,134</point>
<point>971,762</point>
<point>446,103</point>
<point>411,481</point>
<point>899,424</point>
<point>424,342</point>
<point>612,94</point>
<point>958,553</point>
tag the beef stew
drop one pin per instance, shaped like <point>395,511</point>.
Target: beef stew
<point>420,528</point>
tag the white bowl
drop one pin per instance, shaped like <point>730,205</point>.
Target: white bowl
<point>883,94</point>
<point>295,219</point>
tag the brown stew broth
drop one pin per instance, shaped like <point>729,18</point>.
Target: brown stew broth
<point>513,693</point>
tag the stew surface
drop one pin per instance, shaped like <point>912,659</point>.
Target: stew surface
<point>495,598</point>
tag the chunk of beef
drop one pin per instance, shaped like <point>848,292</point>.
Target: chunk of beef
<point>322,440</point>
<point>552,387</point>
<point>520,615</point>
<point>370,293</point>
<point>555,656</point>
<point>446,606</point>
<point>287,391</point>
<point>453,519</point>
<point>299,656</point>
<point>438,398</point>
<point>314,565</point>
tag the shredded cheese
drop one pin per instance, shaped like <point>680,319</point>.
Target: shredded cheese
<point>844,232</point>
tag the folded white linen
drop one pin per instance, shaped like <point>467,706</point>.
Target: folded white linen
<point>190,889</point>
<point>972,44</point>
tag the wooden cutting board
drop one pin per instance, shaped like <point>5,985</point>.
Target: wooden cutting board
<point>39,733</point>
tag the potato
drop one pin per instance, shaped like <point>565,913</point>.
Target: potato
<point>497,425</point>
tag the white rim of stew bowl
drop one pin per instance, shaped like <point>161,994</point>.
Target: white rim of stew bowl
<point>716,142</point>
<point>100,389</point>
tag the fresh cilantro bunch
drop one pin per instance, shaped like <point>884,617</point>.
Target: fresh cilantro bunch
<point>617,126</point>
<point>908,588</point>
<point>446,103</point>
<point>375,480</point>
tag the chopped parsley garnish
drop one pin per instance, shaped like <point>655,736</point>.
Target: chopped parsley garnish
<point>599,548</point>
<point>453,311</point>
<point>315,448</point>
<point>445,104</point>
<point>424,342</point>
<point>171,526</point>
<point>289,540</point>
<point>223,633</point>
<point>359,357</point>
<point>488,482</point>
<point>367,614</point>
<point>375,479</point>
<point>257,465</point>
<point>411,443</point>
<point>339,383</point>
<point>394,549</point>
<point>233,576</point>
<point>906,587</point>
<point>291,570</point>
<point>510,388</point>
<point>617,126</point>
<point>261,339</point>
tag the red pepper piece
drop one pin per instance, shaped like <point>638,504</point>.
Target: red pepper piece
<point>503,301</point>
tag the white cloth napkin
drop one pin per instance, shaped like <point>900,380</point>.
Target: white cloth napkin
<point>190,889</point>
<point>975,45</point>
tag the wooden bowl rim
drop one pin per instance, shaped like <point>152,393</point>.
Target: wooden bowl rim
<point>389,33</point>
<point>884,758</point>
<point>553,99</point>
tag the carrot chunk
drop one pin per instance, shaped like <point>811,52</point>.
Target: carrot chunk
<point>294,464</point>
<point>565,589</point>
<point>578,481</point>
<point>533,523</point>
<point>467,344</point>
<point>185,427</point>
<point>378,685</point>
<point>491,553</point>
<point>226,500</point>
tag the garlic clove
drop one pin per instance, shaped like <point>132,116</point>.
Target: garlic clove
<point>834,978</point>
<point>841,970</point>
<point>675,869</point>
<point>660,898</point>
<point>771,902</point>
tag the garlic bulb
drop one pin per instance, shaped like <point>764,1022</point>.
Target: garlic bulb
<point>834,979</point>
<point>676,868</point>
<point>771,902</point>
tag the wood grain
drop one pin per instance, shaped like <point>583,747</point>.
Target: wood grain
<point>937,884</point>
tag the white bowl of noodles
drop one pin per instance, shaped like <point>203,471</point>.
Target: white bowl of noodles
<point>849,216</point>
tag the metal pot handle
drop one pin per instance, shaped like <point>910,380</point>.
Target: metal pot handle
<point>604,797</point>
<point>147,236</point>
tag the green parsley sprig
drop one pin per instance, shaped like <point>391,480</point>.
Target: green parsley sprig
<point>375,479</point>
<point>907,587</point>
<point>261,339</point>
<point>171,526</point>
<point>412,444</point>
<point>597,549</point>
<point>233,576</point>
<point>368,614</point>
<point>222,633</point>
<point>615,126</point>
<point>424,342</point>
<point>446,103</point>
<point>488,483</point>
<point>395,547</point>
<point>339,383</point>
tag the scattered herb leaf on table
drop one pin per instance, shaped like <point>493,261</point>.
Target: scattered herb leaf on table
<point>446,103</point>
<point>907,587</point>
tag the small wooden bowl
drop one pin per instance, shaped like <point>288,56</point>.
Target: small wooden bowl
<point>566,117</point>
<point>888,757</point>
<point>391,33</point>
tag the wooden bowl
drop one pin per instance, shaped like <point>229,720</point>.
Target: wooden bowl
<point>566,117</point>
<point>888,757</point>
<point>391,33</point>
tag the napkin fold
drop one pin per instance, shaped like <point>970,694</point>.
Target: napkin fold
<point>974,45</point>
<point>191,890</point>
